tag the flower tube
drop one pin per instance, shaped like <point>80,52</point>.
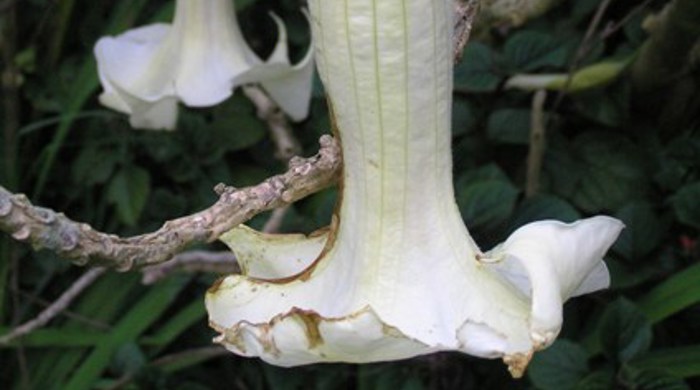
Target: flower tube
<point>398,274</point>
<point>198,60</point>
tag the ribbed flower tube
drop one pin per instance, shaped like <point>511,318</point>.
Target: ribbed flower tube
<point>397,273</point>
<point>199,60</point>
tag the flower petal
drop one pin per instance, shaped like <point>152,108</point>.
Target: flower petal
<point>289,86</point>
<point>273,256</point>
<point>552,261</point>
<point>199,60</point>
<point>304,337</point>
<point>133,62</point>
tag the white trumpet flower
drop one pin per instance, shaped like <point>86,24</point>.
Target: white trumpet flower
<point>397,274</point>
<point>197,60</point>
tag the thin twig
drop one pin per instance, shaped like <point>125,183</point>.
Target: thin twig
<point>206,261</point>
<point>79,242</point>
<point>274,223</point>
<point>505,14</point>
<point>46,315</point>
<point>582,50</point>
<point>287,146</point>
<point>223,262</point>
<point>613,27</point>
<point>465,12</point>
<point>44,228</point>
<point>537,144</point>
<point>31,298</point>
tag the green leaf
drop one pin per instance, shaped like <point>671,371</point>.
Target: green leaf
<point>176,325</point>
<point>626,275</point>
<point>559,367</point>
<point>129,191</point>
<point>529,50</point>
<point>598,380</point>
<point>486,172</point>
<point>93,166</point>
<point>509,126</point>
<point>478,70</point>
<point>240,132</point>
<point>144,312</point>
<point>588,78</point>
<point>128,359</point>
<point>650,379</point>
<point>609,106</point>
<point>624,331</point>
<point>561,171</point>
<point>52,337</point>
<point>54,366</point>
<point>164,204</point>
<point>683,362</point>
<point>544,206</point>
<point>676,293</point>
<point>642,230</point>
<point>485,204</point>
<point>686,204</point>
<point>85,84</point>
<point>598,74</point>
<point>612,172</point>
<point>463,120</point>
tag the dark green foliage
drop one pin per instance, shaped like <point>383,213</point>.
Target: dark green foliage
<point>608,150</point>
<point>562,366</point>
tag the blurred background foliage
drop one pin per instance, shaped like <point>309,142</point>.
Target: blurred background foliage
<point>629,147</point>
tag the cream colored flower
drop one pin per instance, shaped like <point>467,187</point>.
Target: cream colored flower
<point>198,60</point>
<point>397,273</point>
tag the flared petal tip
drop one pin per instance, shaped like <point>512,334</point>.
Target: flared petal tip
<point>551,261</point>
<point>301,337</point>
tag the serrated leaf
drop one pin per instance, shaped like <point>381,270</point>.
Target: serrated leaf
<point>609,106</point>
<point>629,275</point>
<point>686,204</point>
<point>650,379</point>
<point>642,230</point>
<point>485,204</point>
<point>93,166</point>
<point>561,170</point>
<point>128,191</point>
<point>487,172</point>
<point>598,380</point>
<point>478,70</point>
<point>164,205</point>
<point>544,206</point>
<point>238,133</point>
<point>510,126</point>
<point>612,172</point>
<point>462,117</point>
<point>559,367</point>
<point>529,50</point>
<point>625,332</point>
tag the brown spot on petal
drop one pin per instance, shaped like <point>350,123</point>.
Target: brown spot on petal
<point>311,320</point>
<point>517,363</point>
<point>215,287</point>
